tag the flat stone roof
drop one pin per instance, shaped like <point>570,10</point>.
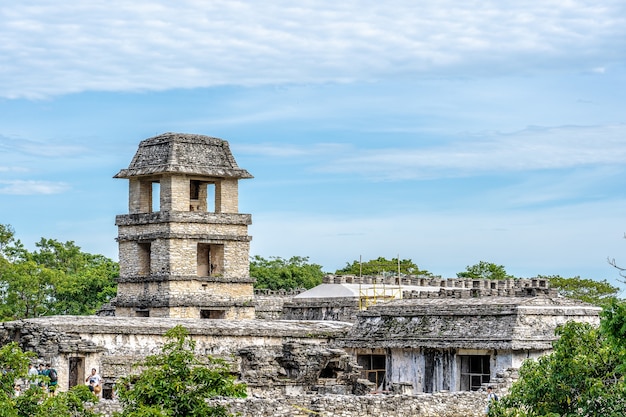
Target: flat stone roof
<point>158,326</point>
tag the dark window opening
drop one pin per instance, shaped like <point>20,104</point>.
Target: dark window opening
<point>212,314</point>
<point>107,391</point>
<point>142,313</point>
<point>374,369</point>
<point>330,371</point>
<point>194,189</point>
<point>77,370</point>
<point>475,372</point>
<point>144,255</point>
<point>210,260</point>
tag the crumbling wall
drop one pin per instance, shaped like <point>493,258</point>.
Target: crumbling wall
<point>457,404</point>
<point>297,367</point>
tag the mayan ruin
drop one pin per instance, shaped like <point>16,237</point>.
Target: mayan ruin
<point>352,346</point>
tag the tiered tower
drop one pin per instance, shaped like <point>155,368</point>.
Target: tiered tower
<point>183,247</point>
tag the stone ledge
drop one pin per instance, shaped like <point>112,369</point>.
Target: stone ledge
<point>183,217</point>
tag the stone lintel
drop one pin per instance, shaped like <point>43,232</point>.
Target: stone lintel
<point>174,301</point>
<point>182,217</point>
<point>166,278</point>
<point>202,238</point>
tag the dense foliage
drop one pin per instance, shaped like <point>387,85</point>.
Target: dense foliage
<point>57,278</point>
<point>382,266</point>
<point>484,270</point>
<point>34,402</point>
<point>177,383</point>
<point>276,273</point>
<point>587,290</point>
<point>584,376</point>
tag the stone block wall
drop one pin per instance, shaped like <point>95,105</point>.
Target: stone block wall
<point>268,304</point>
<point>226,196</point>
<point>458,404</point>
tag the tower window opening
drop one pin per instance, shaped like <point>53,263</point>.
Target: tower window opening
<point>155,197</point>
<point>143,257</point>
<point>201,196</point>
<point>210,260</point>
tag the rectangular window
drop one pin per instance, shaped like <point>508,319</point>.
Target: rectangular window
<point>210,260</point>
<point>144,253</point>
<point>475,371</point>
<point>212,314</point>
<point>155,197</point>
<point>374,369</point>
<point>142,313</point>
<point>194,190</point>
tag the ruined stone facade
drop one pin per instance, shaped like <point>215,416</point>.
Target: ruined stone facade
<point>184,253</point>
<point>354,346</point>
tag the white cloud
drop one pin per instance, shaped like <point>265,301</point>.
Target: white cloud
<point>531,149</point>
<point>53,48</point>
<point>20,187</point>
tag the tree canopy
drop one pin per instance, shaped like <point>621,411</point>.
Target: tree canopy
<point>177,383</point>
<point>278,273</point>
<point>56,278</point>
<point>484,270</point>
<point>588,290</point>
<point>382,266</point>
<point>584,376</point>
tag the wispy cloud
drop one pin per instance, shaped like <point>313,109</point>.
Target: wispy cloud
<point>19,187</point>
<point>40,148</point>
<point>56,48</point>
<point>534,148</point>
<point>281,151</point>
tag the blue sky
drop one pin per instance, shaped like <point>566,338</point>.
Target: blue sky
<point>447,132</point>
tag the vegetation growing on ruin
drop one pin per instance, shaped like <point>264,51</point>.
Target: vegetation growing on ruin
<point>278,273</point>
<point>584,376</point>
<point>56,278</point>
<point>176,383</point>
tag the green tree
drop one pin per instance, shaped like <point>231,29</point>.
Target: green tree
<point>584,376</point>
<point>588,290</point>
<point>484,270</point>
<point>177,383</point>
<point>381,266</point>
<point>278,273</point>
<point>57,278</point>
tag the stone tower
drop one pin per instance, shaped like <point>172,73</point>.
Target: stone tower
<point>183,247</point>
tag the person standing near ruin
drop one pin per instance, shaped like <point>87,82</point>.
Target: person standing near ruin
<point>491,397</point>
<point>53,377</point>
<point>32,374</point>
<point>94,380</point>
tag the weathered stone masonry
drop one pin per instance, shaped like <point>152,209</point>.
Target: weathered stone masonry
<point>184,254</point>
<point>425,346</point>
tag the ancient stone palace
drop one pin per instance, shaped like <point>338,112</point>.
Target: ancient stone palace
<point>353,346</point>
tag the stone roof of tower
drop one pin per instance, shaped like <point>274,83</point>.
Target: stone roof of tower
<point>183,153</point>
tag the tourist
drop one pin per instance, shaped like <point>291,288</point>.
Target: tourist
<point>491,397</point>
<point>53,378</point>
<point>94,381</point>
<point>32,375</point>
